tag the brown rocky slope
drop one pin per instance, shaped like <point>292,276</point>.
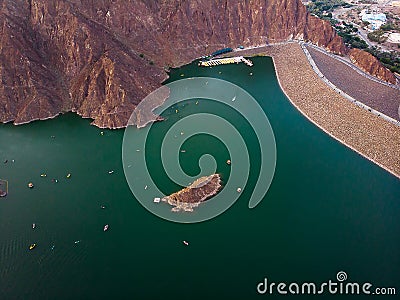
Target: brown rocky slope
<point>101,57</point>
<point>368,63</point>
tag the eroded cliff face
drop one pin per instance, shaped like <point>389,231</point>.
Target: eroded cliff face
<point>101,57</point>
<point>368,63</point>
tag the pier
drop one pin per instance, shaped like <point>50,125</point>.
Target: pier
<point>224,61</point>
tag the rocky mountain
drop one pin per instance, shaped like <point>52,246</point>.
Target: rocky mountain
<point>99,58</point>
<point>368,63</point>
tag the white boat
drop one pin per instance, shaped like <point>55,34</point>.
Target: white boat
<point>33,226</point>
<point>105,228</point>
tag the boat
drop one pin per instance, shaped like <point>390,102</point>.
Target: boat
<point>32,246</point>
<point>69,175</point>
<point>52,247</point>
<point>186,243</point>
<point>30,185</point>
<point>33,226</point>
<point>105,228</point>
<point>77,242</point>
<point>110,172</point>
<point>43,175</point>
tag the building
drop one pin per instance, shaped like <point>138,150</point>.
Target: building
<point>222,51</point>
<point>375,20</point>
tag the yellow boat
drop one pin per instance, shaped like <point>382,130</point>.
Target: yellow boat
<point>31,247</point>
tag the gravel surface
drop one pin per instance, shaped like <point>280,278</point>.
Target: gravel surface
<point>377,96</point>
<point>362,131</point>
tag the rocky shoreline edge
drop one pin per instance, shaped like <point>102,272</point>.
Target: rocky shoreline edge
<point>193,195</point>
<point>358,129</point>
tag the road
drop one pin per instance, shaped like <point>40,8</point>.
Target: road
<point>363,35</point>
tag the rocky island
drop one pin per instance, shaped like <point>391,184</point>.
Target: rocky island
<point>199,191</point>
<point>101,58</point>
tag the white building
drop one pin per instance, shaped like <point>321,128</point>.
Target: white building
<point>376,20</point>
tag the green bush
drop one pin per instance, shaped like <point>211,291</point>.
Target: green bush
<point>387,27</point>
<point>376,36</point>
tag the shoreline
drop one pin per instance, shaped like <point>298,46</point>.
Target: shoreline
<point>353,126</point>
<point>341,125</point>
<point>194,194</point>
<point>332,134</point>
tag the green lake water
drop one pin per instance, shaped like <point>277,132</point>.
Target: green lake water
<point>328,210</point>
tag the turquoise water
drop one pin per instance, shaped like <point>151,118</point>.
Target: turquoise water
<point>327,210</point>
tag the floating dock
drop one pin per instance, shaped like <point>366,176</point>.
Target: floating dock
<point>224,61</point>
